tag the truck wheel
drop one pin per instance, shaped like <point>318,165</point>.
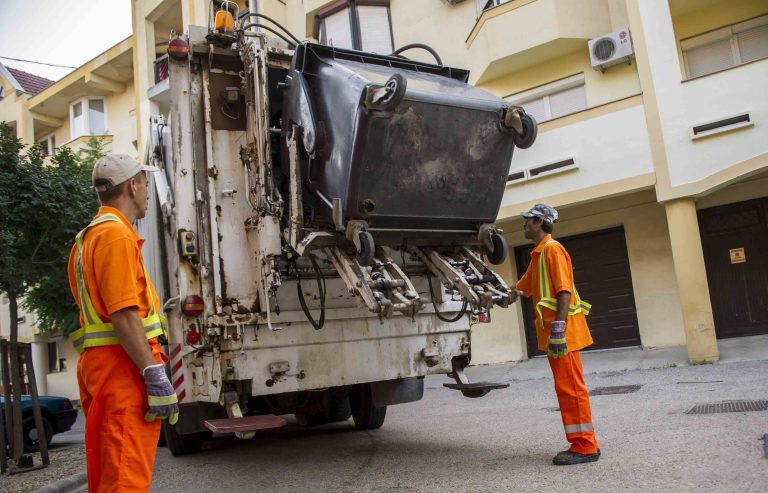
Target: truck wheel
<point>530,130</point>
<point>499,253</point>
<point>183,444</point>
<point>365,254</point>
<point>366,415</point>
<point>340,411</point>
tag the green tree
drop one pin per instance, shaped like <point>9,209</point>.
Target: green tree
<point>42,207</point>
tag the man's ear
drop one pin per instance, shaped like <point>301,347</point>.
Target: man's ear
<point>132,186</point>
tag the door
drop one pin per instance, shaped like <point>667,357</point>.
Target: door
<point>603,278</point>
<point>734,238</point>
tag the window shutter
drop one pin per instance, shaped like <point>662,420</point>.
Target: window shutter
<point>337,30</point>
<point>753,43</point>
<point>568,101</point>
<point>709,58</point>
<point>536,109</point>
<point>96,117</point>
<point>375,31</point>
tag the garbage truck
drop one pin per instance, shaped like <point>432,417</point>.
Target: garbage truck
<point>322,226</point>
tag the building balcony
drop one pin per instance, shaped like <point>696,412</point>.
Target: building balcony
<point>519,33</point>
<point>596,153</point>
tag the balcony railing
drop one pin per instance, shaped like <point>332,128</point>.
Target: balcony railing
<point>161,69</point>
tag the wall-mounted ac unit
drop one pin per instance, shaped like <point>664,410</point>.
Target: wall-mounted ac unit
<point>610,49</point>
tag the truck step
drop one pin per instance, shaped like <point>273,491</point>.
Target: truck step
<point>477,389</point>
<point>247,423</point>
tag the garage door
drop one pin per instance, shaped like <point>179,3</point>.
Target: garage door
<point>601,270</point>
<point>734,238</point>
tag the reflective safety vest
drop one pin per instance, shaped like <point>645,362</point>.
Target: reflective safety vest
<point>95,332</point>
<point>547,300</point>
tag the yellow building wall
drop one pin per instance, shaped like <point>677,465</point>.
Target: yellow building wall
<point>122,124</point>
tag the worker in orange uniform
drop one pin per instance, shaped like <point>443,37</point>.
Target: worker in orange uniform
<point>561,330</point>
<point>121,373</point>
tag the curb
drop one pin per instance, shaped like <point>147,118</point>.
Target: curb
<point>72,484</point>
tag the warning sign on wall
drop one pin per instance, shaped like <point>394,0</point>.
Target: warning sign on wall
<point>738,256</point>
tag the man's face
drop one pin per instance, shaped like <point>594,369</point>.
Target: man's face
<point>141,199</point>
<point>531,226</point>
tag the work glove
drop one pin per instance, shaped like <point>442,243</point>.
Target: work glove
<point>160,395</point>
<point>556,346</point>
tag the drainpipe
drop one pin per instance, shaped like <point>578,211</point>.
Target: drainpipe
<point>254,6</point>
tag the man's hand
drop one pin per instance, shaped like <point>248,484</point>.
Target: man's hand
<point>160,395</point>
<point>515,295</point>
<point>556,346</point>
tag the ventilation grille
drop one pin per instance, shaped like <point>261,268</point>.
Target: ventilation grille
<point>604,49</point>
<point>729,407</point>
<point>727,122</point>
<point>550,167</point>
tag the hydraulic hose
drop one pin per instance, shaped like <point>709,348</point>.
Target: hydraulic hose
<point>321,290</point>
<point>262,16</point>
<point>423,47</point>
<point>434,305</point>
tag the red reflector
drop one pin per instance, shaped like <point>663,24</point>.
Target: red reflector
<point>192,306</point>
<point>482,317</point>
<point>193,337</point>
<point>178,48</point>
<point>68,404</point>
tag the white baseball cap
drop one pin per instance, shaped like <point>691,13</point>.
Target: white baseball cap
<point>114,169</point>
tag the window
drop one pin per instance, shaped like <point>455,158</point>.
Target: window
<point>48,144</point>
<point>483,5</point>
<point>553,100</point>
<point>53,357</point>
<point>87,117</point>
<point>726,47</point>
<point>356,24</point>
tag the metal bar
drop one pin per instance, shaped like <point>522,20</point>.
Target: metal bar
<point>41,437</point>
<point>3,429</point>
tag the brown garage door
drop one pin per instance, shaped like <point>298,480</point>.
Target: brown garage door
<point>601,270</point>
<point>734,238</point>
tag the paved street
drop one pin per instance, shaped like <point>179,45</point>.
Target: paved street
<point>505,441</point>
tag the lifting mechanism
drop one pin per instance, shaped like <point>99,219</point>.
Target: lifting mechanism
<point>299,217</point>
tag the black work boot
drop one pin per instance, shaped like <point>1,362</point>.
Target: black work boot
<point>568,458</point>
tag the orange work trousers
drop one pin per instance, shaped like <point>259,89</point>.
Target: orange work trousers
<point>573,397</point>
<point>119,445</point>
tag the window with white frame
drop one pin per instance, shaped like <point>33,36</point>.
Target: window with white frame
<point>726,47</point>
<point>553,100</point>
<point>356,24</point>
<point>48,144</point>
<point>87,117</point>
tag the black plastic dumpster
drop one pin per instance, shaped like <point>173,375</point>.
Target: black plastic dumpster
<point>409,147</point>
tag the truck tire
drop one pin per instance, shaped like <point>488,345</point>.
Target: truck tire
<point>183,444</point>
<point>340,411</point>
<point>366,415</point>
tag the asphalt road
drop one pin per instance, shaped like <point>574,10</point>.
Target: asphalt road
<point>505,441</point>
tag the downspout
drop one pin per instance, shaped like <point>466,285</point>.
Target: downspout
<point>255,7</point>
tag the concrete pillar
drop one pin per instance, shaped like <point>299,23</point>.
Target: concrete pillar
<point>40,362</point>
<point>691,277</point>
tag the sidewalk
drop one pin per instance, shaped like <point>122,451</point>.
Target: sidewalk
<point>754,348</point>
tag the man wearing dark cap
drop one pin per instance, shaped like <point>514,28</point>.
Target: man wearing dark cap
<point>123,385</point>
<point>561,330</point>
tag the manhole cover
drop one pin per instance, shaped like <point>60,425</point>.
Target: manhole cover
<point>618,389</point>
<point>728,407</point>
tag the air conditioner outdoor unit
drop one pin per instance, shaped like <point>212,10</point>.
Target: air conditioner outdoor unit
<point>610,49</point>
<point>452,2</point>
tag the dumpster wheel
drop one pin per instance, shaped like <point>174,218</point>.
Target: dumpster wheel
<point>499,252</point>
<point>395,87</point>
<point>530,130</point>
<point>365,254</point>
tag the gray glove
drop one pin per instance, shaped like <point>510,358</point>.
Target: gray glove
<point>556,346</point>
<point>161,397</point>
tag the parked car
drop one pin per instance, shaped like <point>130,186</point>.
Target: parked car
<point>58,416</point>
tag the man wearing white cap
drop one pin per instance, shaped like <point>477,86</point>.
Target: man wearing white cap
<point>120,372</point>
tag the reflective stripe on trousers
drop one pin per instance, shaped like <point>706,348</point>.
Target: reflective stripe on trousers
<point>573,397</point>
